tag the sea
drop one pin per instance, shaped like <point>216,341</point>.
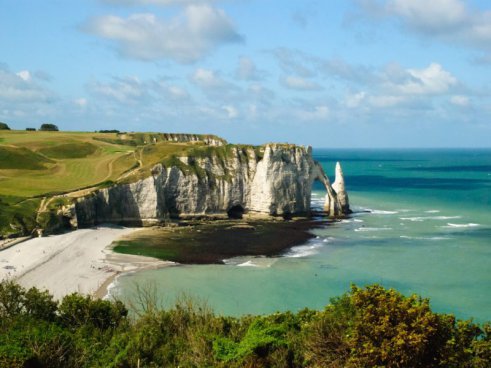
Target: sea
<point>421,224</point>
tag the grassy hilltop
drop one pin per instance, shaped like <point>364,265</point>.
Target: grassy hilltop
<point>37,166</point>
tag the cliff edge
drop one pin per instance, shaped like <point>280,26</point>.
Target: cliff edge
<point>274,179</point>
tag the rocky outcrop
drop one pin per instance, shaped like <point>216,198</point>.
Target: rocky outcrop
<point>340,189</point>
<point>275,179</point>
<point>210,140</point>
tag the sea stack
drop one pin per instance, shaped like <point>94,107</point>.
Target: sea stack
<point>340,189</point>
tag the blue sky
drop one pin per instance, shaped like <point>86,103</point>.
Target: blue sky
<point>340,73</point>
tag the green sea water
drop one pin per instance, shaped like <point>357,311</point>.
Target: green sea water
<point>421,224</point>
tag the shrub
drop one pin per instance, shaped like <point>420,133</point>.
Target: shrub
<point>31,129</point>
<point>375,327</point>
<point>16,301</point>
<point>4,126</point>
<point>76,310</point>
<point>48,128</point>
<point>367,327</point>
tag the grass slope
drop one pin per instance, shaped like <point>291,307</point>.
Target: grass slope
<point>38,164</point>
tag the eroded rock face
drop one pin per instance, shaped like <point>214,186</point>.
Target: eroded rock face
<point>340,189</point>
<point>276,181</point>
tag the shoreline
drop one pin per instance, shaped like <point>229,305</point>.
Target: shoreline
<point>85,261</point>
<point>78,261</point>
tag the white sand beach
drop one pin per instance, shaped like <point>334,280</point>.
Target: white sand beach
<point>78,261</point>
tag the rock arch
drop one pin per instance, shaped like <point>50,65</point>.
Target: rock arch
<point>336,201</point>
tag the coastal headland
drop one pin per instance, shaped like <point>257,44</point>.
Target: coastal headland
<point>54,182</point>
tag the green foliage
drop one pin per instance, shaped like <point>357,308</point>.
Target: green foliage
<point>48,128</point>
<point>69,150</point>
<point>76,310</point>
<point>4,126</point>
<point>19,158</point>
<point>15,301</point>
<point>375,327</point>
<point>262,337</point>
<point>367,327</point>
<point>17,216</point>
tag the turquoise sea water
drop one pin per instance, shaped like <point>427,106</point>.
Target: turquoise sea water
<point>422,224</point>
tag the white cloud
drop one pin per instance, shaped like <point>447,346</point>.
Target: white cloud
<point>81,102</point>
<point>215,87</point>
<point>247,70</point>
<point>24,75</point>
<point>449,20</point>
<point>21,88</point>
<point>460,100</point>
<point>185,38</point>
<point>300,83</point>
<point>207,79</point>
<point>354,100</point>
<point>177,92</point>
<point>431,80</point>
<point>432,16</point>
<point>124,90</point>
<point>231,111</point>
<point>317,113</point>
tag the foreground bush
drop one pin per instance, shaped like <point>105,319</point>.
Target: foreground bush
<point>367,327</point>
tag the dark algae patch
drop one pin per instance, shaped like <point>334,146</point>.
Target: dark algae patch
<point>208,243</point>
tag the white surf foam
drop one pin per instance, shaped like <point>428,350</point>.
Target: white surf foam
<point>366,229</point>
<point>381,212</point>
<point>432,211</point>
<point>423,237</point>
<point>303,250</point>
<point>245,261</point>
<point>247,264</point>
<point>450,225</point>
<point>424,218</point>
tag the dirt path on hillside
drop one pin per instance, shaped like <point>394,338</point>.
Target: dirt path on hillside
<point>43,207</point>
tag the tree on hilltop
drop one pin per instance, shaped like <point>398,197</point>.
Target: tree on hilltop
<point>49,128</point>
<point>4,126</point>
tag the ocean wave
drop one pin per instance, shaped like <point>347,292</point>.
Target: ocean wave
<point>328,239</point>
<point>423,237</point>
<point>450,225</point>
<point>363,229</point>
<point>244,261</point>
<point>432,211</point>
<point>424,218</point>
<point>382,212</point>
<point>350,221</point>
<point>248,264</point>
<point>303,251</point>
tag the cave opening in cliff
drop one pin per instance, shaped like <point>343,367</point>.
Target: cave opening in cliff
<point>236,212</point>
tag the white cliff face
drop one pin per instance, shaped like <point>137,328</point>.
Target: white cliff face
<point>275,182</point>
<point>340,189</point>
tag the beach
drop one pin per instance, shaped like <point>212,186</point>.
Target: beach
<point>78,261</point>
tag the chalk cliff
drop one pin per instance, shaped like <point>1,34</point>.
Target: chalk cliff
<point>275,179</point>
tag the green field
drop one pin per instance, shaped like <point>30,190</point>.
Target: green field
<point>35,166</point>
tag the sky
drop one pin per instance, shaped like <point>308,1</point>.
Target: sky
<point>337,73</point>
